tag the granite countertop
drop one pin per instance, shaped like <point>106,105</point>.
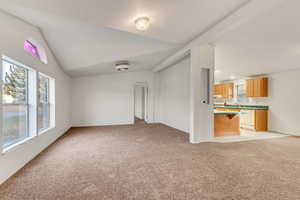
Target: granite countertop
<point>218,112</point>
<point>247,107</point>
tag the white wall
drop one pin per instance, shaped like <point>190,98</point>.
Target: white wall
<point>108,99</point>
<point>283,101</point>
<point>12,36</point>
<point>173,101</point>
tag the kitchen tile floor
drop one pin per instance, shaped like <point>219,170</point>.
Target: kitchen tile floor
<point>247,135</point>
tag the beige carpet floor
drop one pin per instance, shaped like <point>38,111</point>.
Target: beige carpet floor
<point>143,162</point>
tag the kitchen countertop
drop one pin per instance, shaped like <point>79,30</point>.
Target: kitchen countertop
<point>218,112</point>
<point>246,107</point>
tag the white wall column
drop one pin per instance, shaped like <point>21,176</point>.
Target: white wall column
<point>201,114</point>
<point>1,107</point>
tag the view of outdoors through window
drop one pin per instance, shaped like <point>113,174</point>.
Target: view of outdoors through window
<point>44,105</point>
<point>241,93</point>
<point>15,103</point>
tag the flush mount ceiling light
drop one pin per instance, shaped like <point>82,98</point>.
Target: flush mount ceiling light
<point>142,23</point>
<point>122,66</point>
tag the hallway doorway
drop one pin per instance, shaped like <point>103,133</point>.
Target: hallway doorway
<point>140,103</point>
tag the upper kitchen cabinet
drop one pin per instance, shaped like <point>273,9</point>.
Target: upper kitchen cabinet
<point>257,87</point>
<point>224,90</point>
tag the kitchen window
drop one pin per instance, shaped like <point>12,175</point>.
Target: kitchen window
<point>241,95</point>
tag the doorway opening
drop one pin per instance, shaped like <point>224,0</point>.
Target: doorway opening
<point>140,103</point>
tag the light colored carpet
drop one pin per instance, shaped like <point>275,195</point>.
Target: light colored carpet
<point>145,162</point>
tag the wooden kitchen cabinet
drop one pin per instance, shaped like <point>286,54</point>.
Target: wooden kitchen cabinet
<point>256,120</point>
<point>257,87</point>
<point>225,90</point>
<point>261,120</point>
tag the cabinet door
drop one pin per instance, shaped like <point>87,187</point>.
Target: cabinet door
<point>257,87</point>
<point>250,88</point>
<point>230,90</point>
<point>261,120</point>
<point>225,95</point>
<point>227,89</point>
<point>215,89</point>
<point>263,87</point>
<point>222,89</point>
<point>218,89</point>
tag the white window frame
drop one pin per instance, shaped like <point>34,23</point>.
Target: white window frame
<point>32,102</point>
<point>51,99</point>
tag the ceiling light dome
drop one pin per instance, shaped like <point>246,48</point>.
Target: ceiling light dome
<point>122,66</point>
<point>142,23</point>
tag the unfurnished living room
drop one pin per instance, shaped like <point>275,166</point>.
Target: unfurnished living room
<point>150,100</point>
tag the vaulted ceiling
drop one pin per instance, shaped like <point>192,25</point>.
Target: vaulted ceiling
<point>88,37</point>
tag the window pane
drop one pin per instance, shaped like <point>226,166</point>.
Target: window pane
<point>43,116</point>
<point>14,103</point>
<point>44,105</point>
<point>14,84</point>
<point>15,128</point>
<point>31,48</point>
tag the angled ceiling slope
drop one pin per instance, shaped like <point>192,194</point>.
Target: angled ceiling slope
<point>88,36</point>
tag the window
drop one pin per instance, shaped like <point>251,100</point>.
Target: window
<point>31,48</point>
<point>241,92</point>
<point>15,103</point>
<point>27,103</point>
<point>43,103</point>
<point>35,49</point>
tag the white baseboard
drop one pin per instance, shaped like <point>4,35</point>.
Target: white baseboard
<point>100,124</point>
<point>198,141</point>
<point>291,134</point>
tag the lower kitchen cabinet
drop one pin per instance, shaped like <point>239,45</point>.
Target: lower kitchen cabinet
<point>256,120</point>
<point>261,120</point>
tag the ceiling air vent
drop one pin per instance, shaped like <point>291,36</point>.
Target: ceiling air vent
<point>122,66</point>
